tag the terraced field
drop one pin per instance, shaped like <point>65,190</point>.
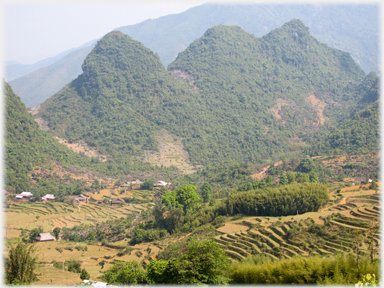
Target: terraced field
<point>49,215</point>
<point>346,226</point>
<point>56,214</point>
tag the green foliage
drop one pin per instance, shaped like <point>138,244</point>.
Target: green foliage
<point>185,197</point>
<point>140,235</point>
<point>84,275</point>
<point>129,272</point>
<point>202,263</point>
<point>28,147</point>
<point>21,264</point>
<point>206,192</point>
<point>277,201</point>
<point>56,232</point>
<point>360,134</point>
<point>73,266</point>
<point>33,234</point>
<point>342,269</point>
<point>148,184</point>
<point>306,165</point>
<point>368,280</point>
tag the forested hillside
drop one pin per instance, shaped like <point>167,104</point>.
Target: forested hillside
<point>361,134</point>
<point>287,80</point>
<point>27,147</point>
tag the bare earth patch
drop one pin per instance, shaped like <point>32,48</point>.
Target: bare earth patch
<point>184,77</point>
<point>231,228</point>
<point>82,147</point>
<point>261,174</point>
<point>171,153</point>
<point>319,107</point>
<point>277,108</point>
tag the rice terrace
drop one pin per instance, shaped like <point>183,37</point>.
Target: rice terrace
<point>351,210</point>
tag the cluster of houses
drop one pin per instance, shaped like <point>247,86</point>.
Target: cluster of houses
<point>29,195</point>
<point>132,183</point>
<point>138,182</point>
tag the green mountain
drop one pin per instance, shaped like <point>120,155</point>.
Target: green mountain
<point>245,98</point>
<point>360,134</point>
<point>122,99</point>
<point>27,146</point>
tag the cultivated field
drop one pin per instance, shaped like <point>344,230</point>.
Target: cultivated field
<point>355,212</point>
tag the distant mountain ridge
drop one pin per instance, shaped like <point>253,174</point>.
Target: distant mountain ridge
<point>34,88</point>
<point>345,27</point>
<point>244,98</point>
<point>14,70</point>
<point>352,28</point>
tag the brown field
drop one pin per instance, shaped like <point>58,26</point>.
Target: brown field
<point>319,107</point>
<point>232,227</point>
<point>171,153</point>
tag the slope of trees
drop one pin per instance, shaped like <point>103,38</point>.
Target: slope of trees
<point>276,201</point>
<point>360,134</point>
<point>21,265</point>
<point>125,96</point>
<point>28,147</point>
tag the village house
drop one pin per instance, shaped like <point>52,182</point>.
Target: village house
<point>161,184</point>
<point>45,237</point>
<point>26,194</point>
<point>132,184</point>
<point>48,197</point>
<point>116,201</point>
<point>80,197</point>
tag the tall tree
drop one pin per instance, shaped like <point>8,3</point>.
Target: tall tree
<point>206,192</point>
<point>21,264</point>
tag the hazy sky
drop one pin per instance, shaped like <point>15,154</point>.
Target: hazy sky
<point>35,30</point>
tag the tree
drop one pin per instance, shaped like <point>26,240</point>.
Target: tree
<point>156,272</point>
<point>206,192</point>
<point>84,275</point>
<point>313,177</point>
<point>291,177</point>
<point>95,184</point>
<point>33,234</point>
<point>306,165</point>
<point>125,273</point>
<point>21,264</point>
<point>203,263</point>
<point>56,232</point>
<point>148,184</point>
<point>269,180</point>
<point>283,179</point>
<point>185,197</point>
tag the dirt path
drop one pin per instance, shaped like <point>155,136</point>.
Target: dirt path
<point>181,238</point>
<point>342,202</point>
<point>262,174</point>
